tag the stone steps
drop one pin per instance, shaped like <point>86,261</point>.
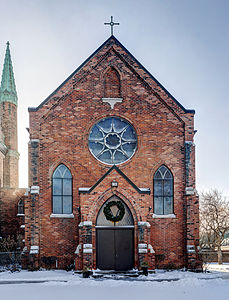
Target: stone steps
<point>115,274</point>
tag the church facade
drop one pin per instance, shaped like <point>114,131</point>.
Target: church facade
<point>111,171</point>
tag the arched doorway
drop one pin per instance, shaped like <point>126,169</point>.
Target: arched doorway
<point>115,240</point>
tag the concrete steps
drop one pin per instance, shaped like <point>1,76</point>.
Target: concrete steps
<point>115,274</point>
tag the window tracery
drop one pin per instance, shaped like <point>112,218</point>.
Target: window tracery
<point>21,210</point>
<point>112,140</point>
<point>62,190</point>
<point>163,191</point>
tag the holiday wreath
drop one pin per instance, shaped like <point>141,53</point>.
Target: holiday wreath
<point>108,213</point>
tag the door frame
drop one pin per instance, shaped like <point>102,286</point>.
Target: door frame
<point>132,227</point>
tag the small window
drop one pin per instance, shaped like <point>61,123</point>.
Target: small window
<point>62,190</point>
<point>163,191</point>
<point>112,85</point>
<point>20,207</point>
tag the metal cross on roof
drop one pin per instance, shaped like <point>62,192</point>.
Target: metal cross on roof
<point>111,23</point>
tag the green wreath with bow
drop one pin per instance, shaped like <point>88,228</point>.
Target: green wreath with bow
<point>108,213</point>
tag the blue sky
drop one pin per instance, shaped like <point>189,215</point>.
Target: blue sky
<point>184,44</point>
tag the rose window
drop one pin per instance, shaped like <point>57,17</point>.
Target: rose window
<point>112,140</point>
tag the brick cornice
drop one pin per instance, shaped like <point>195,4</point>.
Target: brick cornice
<point>13,153</point>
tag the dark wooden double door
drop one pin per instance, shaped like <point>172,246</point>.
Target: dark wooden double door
<point>115,248</point>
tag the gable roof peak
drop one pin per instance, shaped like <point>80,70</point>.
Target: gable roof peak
<point>112,40</point>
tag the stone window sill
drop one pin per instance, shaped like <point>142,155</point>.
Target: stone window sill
<point>66,216</point>
<point>20,215</point>
<point>170,216</point>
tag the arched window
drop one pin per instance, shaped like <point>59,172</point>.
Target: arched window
<point>20,207</point>
<point>163,191</point>
<point>112,85</point>
<point>62,190</point>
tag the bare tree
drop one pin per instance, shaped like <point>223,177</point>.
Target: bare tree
<point>214,221</point>
<point>11,243</point>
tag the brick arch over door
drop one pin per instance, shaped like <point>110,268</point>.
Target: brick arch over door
<point>132,205</point>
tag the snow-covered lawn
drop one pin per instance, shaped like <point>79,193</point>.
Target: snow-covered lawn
<point>221,268</point>
<point>177,285</point>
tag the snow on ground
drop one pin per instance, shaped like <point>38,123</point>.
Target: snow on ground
<point>177,285</point>
<point>215,267</point>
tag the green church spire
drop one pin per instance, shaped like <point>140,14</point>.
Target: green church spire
<point>8,89</point>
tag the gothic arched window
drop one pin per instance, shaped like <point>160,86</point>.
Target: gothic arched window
<point>20,207</point>
<point>112,85</point>
<point>163,191</point>
<point>62,190</point>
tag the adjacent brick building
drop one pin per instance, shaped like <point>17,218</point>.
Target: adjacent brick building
<point>111,171</point>
<point>11,197</point>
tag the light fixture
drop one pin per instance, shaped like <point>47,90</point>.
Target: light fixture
<point>114,183</point>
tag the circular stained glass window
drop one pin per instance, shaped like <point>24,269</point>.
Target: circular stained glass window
<point>112,140</point>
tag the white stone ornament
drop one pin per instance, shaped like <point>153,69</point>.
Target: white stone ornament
<point>112,101</point>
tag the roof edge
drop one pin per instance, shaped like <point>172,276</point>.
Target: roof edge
<point>167,92</point>
<point>114,167</point>
<point>32,109</point>
<point>190,111</point>
<point>72,74</point>
<point>131,55</point>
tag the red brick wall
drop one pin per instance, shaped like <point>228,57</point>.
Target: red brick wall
<point>9,221</point>
<point>112,87</point>
<point>9,124</point>
<point>62,126</point>
<point>9,129</point>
